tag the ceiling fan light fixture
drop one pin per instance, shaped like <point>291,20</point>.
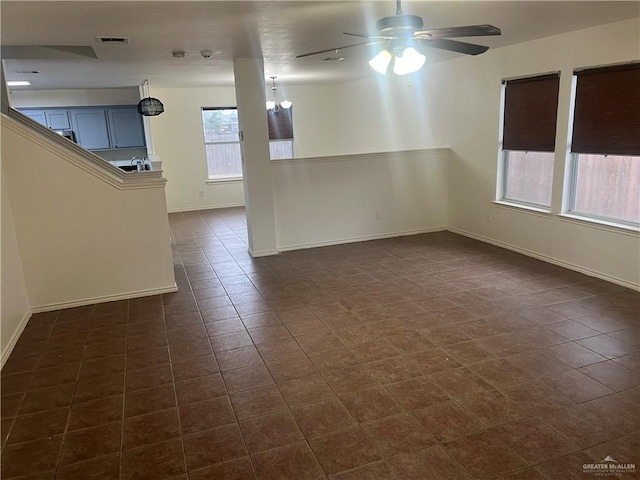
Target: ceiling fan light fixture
<point>286,104</point>
<point>271,105</point>
<point>408,62</point>
<point>381,61</point>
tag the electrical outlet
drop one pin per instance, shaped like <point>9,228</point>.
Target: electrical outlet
<point>200,193</point>
<point>377,215</point>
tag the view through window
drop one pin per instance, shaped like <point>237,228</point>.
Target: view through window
<point>222,144</point>
<point>528,177</point>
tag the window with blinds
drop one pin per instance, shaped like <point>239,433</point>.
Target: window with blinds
<point>605,145</point>
<point>528,142</point>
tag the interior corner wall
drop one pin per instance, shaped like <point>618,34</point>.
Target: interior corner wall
<point>472,115</point>
<point>14,304</point>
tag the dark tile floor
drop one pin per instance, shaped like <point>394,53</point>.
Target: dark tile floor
<point>423,357</point>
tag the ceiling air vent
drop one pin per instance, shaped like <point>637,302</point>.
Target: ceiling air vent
<point>113,40</point>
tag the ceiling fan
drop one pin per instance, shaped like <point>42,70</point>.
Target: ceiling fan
<point>402,32</point>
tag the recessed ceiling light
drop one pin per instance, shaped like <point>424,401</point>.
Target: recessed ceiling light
<point>18,83</point>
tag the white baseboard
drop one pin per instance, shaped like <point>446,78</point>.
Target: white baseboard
<point>107,298</point>
<point>15,337</point>
<point>264,253</point>
<point>364,238</point>
<point>548,259</point>
<point>210,207</point>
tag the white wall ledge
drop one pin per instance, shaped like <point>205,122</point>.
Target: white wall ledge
<point>214,181</point>
<point>523,208</point>
<point>600,224</point>
<point>399,154</point>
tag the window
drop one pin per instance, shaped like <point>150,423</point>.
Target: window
<point>528,143</point>
<point>605,145</point>
<point>280,133</point>
<point>222,143</point>
<point>222,140</point>
<point>280,149</point>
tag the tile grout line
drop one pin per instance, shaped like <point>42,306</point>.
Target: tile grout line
<point>124,392</point>
<point>173,383</point>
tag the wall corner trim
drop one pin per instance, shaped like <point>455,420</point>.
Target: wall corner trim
<point>365,238</point>
<point>103,299</point>
<point>264,253</point>
<point>14,338</point>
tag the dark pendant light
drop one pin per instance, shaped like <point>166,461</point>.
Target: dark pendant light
<point>149,107</point>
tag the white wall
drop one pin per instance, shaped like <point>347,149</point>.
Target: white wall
<point>179,142</point>
<point>335,200</point>
<point>14,305</point>
<point>472,116</point>
<point>391,113</point>
<point>316,118</point>
<point>329,120</point>
<point>74,98</point>
<point>81,239</point>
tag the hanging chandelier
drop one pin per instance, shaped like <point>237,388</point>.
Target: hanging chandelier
<point>148,106</point>
<point>273,105</point>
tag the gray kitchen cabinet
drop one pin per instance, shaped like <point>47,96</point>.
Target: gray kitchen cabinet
<point>58,119</point>
<point>90,127</point>
<point>37,115</point>
<point>54,118</point>
<point>126,128</point>
<point>95,128</point>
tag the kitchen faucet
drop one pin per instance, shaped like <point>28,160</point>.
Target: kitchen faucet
<point>139,162</point>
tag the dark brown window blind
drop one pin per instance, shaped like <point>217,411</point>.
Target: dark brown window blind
<point>607,111</point>
<point>530,110</point>
<point>280,124</point>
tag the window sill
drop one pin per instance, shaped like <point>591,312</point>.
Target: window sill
<point>599,223</point>
<point>213,181</point>
<point>523,208</point>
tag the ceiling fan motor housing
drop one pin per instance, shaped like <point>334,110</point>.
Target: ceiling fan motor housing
<point>399,25</point>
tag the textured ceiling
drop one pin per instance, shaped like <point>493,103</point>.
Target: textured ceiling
<point>276,30</point>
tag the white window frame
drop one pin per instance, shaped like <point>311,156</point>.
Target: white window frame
<point>221,179</point>
<point>569,185</point>
<point>569,207</point>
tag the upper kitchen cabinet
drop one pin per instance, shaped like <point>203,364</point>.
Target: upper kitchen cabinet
<point>90,127</point>
<point>126,128</point>
<point>95,128</point>
<point>37,115</point>
<point>55,119</point>
<point>58,119</point>
<point>108,128</point>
